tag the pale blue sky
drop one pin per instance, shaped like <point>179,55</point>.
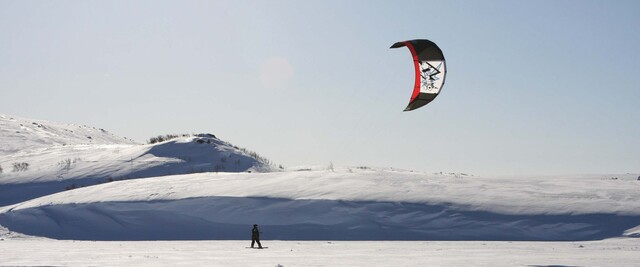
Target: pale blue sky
<point>533,87</point>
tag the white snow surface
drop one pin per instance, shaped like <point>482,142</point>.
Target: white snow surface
<point>19,134</point>
<point>345,204</point>
<point>556,195</point>
<point>61,157</point>
<point>611,252</point>
<point>194,201</point>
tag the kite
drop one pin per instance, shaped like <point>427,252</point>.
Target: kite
<point>430,68</point>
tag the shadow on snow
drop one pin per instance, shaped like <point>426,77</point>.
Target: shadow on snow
<point>230,218</point>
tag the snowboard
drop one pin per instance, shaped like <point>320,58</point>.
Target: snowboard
<point>257,247</point>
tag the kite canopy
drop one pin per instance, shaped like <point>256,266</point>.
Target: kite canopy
<point>430,71</point>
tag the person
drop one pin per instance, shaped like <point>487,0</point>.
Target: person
<point>255,236</point>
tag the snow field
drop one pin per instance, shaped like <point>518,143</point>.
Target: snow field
<point>340,205</point>
<point>612,252</point>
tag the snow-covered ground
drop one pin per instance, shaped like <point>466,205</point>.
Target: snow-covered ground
<point>611,252</point>
<point>201,195</point>
<point>345,204</point>
<point>19,134</point>
<point>65,156</point>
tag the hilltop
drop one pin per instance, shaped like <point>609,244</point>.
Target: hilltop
<point>20,134</point>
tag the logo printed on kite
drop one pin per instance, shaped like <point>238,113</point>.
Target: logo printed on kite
<point>430,82</point>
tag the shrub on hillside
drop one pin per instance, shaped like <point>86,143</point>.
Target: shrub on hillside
<point>256,156</point>
<point>208,135</point>
<point>65,164</point>
<point>20,166</point>
<point>166,137</point>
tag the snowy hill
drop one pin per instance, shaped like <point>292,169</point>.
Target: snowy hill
<point>40,158</point>
<point>348,204</point>
<point>18,134</point>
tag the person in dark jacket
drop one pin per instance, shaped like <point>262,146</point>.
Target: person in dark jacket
<point>255,236</point>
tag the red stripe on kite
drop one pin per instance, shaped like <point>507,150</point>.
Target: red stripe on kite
<point>416,64</point>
